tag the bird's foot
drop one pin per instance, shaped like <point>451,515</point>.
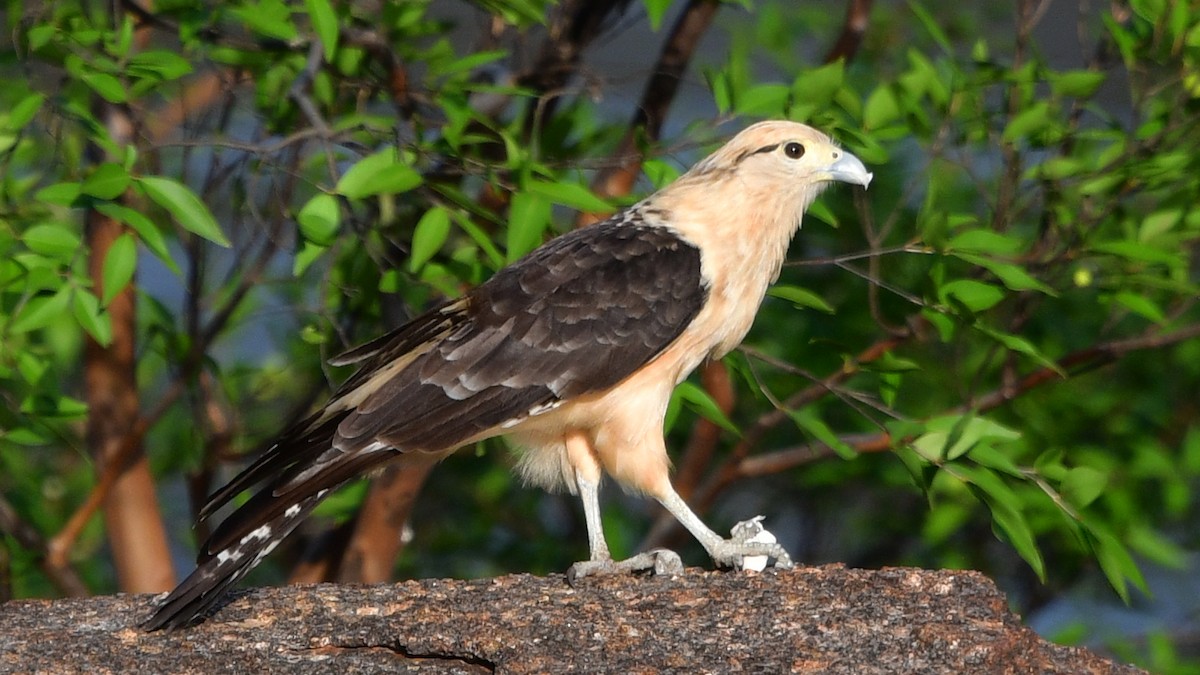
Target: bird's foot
<point>658,561</point>
<point>749,548</point>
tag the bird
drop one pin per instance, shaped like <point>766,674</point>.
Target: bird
<point>572,352</point>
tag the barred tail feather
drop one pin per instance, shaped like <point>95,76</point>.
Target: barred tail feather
<point>218,570</point>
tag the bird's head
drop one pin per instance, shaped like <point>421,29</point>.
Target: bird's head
<point>781,155</point>
<point>773,171</point>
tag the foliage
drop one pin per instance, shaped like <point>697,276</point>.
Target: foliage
<point>1010,311</point>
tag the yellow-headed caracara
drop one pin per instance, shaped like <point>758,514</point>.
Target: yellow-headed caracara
<point>572,352</point>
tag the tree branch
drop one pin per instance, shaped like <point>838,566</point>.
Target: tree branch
<point>64,577</point>
<point>618,177</point>
<point>1075,363</point>
<point>854,28</point>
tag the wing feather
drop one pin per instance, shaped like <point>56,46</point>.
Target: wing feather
<point>576,316</point>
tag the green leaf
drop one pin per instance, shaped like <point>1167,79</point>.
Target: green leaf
<point>40,310</point>
<point>763,99</point>
<point>700,401</point>
<point>325,24</point>
<point>146,230</point>
<point>53,406</point>
<point>800,297</point>
<point>528,218</point>
<point>23,112</point>
<point>107,86</point>
<point>59,194</point>
<point>1140,252</point>
<point>183,204</point>
<point>481,238</point>
<point>809,421</point>
<point>890,363</point>
<point>40,35</point>
<point>308,254</point>
<point>1012,523</point>
<point>1021,346</point>
<point>569,194</point>
<point>987,455</point>
<point>881,108</point>
<point>1058,168</point>
<point>319,219</point>
<point>1140,304</point>
<point>721,85</point>
<point>163,64</point>
<point>984,241</point>
<point>1082,485</point>
<point>428,237</point>
<point>1050,464</point>
<point>930,24</point>
<point>1013,276</point>
<point>976,296</point>
<point>655,11</point>
<point>660,173</point>
<point>1115,561</point>
<point>52,239</point>
<point>1007,513</point>
<point>380,173</point>
<point>816,87</point>
<point>951,436</point>
<point>1157,547</point>
<point>271,18</point>
<point>821,212</point>
<point>1076,83</point>
<point>1028,122</point>
<point>469,63</point>
<point>31,367</point>
<point>94,320</point>
<point>108,181</point>
<point>119,265</point>
<point>1159,223</point>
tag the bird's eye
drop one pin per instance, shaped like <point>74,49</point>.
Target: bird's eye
<point>793,150</point>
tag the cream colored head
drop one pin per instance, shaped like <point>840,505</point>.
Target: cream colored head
<point>766,176</point>
<point>786,155</point>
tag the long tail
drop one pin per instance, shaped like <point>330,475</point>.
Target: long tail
<point>296,474</point>
<point>216,572</point>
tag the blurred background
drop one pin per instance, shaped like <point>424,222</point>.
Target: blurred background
<point>989,360</point>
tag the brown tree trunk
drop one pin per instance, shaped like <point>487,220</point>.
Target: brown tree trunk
<point>377,539</point>
<point>131,515</point>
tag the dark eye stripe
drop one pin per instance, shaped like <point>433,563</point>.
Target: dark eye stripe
<point>750,153</point>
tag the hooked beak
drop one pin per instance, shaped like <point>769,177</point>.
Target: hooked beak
<point>849,169</point>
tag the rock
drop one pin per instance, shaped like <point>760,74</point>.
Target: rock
<point>815,619</point>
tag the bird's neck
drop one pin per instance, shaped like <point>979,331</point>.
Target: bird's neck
<point>743,238</point>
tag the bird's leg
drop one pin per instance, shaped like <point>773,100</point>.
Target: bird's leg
<point>589,494</point>
<point>724,552</point>
<point>660,561</point>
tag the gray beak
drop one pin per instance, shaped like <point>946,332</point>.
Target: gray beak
<point>849,169</point>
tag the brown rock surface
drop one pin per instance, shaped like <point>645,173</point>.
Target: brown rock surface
<point>815,619</point>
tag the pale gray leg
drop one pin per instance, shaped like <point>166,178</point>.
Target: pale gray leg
<point>589,494</point>
<point>724,552</point>
<point>660,560</point>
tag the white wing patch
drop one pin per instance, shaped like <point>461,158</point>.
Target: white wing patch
<point>532,412</point>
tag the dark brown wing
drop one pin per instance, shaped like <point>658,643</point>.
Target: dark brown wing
<point>576,316</point>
